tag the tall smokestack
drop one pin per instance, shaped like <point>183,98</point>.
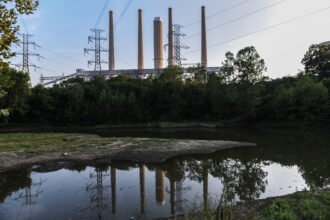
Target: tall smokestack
<point>170,39</point>
<point>158,43</point>
<point>111,44</point>
<point>140,43</point>
<point>204,44</point>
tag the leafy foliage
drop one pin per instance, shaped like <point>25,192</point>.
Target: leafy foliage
<point>238,93</point>
<point>9,11</point>
<point>317,62</point>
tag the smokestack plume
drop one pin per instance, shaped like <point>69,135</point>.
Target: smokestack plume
<point>204,41</point>
<point>158,43</point>
<point>111,44</point>
<point>140,43</point>
<point>170,39</point>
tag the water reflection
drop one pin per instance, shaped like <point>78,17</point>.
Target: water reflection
<point>237,179</point>
<point>121,190</point>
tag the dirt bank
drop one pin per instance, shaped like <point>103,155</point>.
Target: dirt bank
<point>18,150</point>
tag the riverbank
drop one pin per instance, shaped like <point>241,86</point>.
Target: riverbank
<point>313,204</point>
<point>24,149</point>
<point>37,127</point>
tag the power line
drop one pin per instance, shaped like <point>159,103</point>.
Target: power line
<point>106,3</point>
<point>122,14</point>
<point>123,61</point>
<point>61,55</point>
<point>264,29</point>
<point>58,62</point>
<point>239,18</point>
<point>220,12</point>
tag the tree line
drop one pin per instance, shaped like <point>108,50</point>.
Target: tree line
<point>238,92</point>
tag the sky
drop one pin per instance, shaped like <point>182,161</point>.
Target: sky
<point>281,31</point>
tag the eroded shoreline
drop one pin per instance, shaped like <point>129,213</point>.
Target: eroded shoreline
<point>21,150</point>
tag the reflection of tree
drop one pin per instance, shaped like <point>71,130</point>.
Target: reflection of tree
<point>15,181</point>
<point>12,182</point>
<point>243,178</point>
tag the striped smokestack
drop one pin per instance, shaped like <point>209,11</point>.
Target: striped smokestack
<point>204,41</point>
<point>170,39</point>
<point>111,44</point>
<point>140,43</point>
<point>158,43</point>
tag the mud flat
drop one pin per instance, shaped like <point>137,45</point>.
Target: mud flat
<point>24,149</point>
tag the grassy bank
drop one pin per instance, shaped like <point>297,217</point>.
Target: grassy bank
<point>306,205</point>
<point>35,144</point>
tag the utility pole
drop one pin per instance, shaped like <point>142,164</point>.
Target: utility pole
<point>25,65</point>
<point>178,45</point>
<point>97,49</point>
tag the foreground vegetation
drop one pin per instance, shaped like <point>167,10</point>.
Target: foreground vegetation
<point>239,93</point>
<point>313,205</point>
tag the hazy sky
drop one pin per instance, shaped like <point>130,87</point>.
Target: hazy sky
<point>61,28</point>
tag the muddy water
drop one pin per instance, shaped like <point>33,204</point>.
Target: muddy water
<point>283,162</point>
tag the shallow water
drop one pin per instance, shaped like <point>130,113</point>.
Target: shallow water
<point>283,162</point>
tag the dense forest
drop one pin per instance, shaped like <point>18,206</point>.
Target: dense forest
<point>239,92</point>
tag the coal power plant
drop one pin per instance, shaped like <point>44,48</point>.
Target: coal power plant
<point>158,44</point>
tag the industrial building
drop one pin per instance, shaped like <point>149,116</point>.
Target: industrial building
<point>140,71</point>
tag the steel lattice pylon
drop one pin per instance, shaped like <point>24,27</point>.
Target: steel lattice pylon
<point>178,44</point>
<point>25,65</point>
<point>97,49</point>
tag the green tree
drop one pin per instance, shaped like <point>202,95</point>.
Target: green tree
<point>246,67</point>
<point>172,73</point>
<point>317,62</point>
<point>228,68</point>
<point>249,66</point>
<point>17,93</point>
<point>5,84</point>
<point>200,74</point>
<point>305,101</point>
<point>9,11</point>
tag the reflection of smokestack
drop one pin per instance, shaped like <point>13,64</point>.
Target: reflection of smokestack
<point>142,187</point>
<point>140,43</point>
<point>204,44</point>
<point>158,43</point>
<point>111,44</point>
<point>205,184</point>
<point>172,183</point>
<point>113,189</point>
<point>170,39</point>
<point>160,187</point>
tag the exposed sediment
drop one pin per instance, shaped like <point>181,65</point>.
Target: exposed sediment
<point>82,148</point>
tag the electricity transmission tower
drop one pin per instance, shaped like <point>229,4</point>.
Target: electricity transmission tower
<point>178,44</point>
<point>97,49</point>
<point>25,43</point>
<point>98,198</point>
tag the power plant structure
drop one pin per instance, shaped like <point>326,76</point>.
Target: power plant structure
<point>140,43</point>
<point>140,71</point>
